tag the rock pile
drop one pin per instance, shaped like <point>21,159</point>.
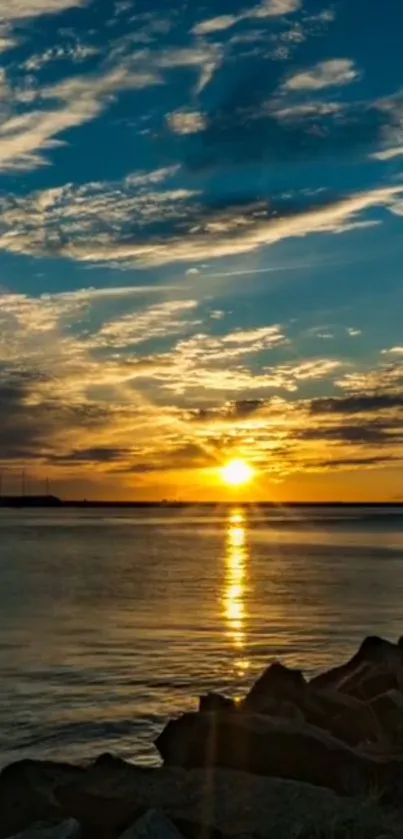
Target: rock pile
<point>293,758</point>
<point>342,730</point>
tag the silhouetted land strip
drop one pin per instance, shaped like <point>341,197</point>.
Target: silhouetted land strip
<point>294,758</point>
<point>44,501</point>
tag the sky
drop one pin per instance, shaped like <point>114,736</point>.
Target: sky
<point>201,242</point>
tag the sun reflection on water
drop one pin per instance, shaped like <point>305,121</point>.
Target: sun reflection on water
<point>236,557</point>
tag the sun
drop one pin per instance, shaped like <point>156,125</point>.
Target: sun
<point>237,473</point>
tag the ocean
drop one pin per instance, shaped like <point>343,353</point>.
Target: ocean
<point>111,621</point>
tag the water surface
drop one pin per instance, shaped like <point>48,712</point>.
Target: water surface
<point>113,620</point>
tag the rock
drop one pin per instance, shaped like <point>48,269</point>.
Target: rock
<point>277,682</point>
<point>216,702</point>
<point>27,793</point>
<point>152,825</point>
<point>266,746</point>
<point>373,651</point>
<point>221,803</point>
<point>387,703</point>
<point>375,681</point>
<point>281,692</point>
<point>100,817</point>
<point>388,710</point>
<point>346,718</point>
<point>66,830</point>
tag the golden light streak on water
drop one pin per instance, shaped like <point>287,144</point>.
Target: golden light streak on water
<point>236,560</point>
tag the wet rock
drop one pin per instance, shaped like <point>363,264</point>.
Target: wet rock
<point>277,682</point>
<point>373,651</point>
<point>265,746</point>
<point>66,830</point>
<point>100,817</point>
<point>27,794</point>
<point>152,825</point>
<point>216,702</point>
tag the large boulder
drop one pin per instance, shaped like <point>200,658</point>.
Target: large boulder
<point>27,794</point>
<point>281,692</point>
<point>266,746</point>
<point>276,683</point>
<point>373,653</point>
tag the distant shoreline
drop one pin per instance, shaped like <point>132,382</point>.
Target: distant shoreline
<point>53,502</point>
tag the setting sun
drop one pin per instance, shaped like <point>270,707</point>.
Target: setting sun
<point>237,473</point>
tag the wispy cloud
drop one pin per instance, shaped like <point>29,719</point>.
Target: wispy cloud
<point>78,100</point>
<point>266,9</point>
<point>333,73</point>
<point>389,154</point>
<point>158,321</point>
<point>35,8</point>
<point>90,224</point>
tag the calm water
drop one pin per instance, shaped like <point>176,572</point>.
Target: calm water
<point>112,621</point>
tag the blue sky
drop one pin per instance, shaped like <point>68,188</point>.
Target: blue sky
<point>201,245</point>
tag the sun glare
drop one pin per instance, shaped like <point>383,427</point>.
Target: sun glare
<point>237,473</point>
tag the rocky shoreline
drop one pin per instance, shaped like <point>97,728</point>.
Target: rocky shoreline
<point>294,759</point>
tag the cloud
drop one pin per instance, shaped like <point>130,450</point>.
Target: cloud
<point>215,24</point>
<point>262,123</point>
<point>363,433</point>
<point>353,463</point>
<point>205,58</point>
<point>186,122</point>
<point>389,154</point>
<point>158,321</point>
<point>393,351</point>
<point>20,9</point>
<point>333,73</point>
<point>47,221</point>
<point>94,454</point>
<point>75,53</point>
<point>156,176</point>
<point>266,9</point>
<point>75,101</point>
<point>93,294</point>
<point>7,41</point>
<point>100,223</point>
<point>83,394</point>
<point>359,403</point>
